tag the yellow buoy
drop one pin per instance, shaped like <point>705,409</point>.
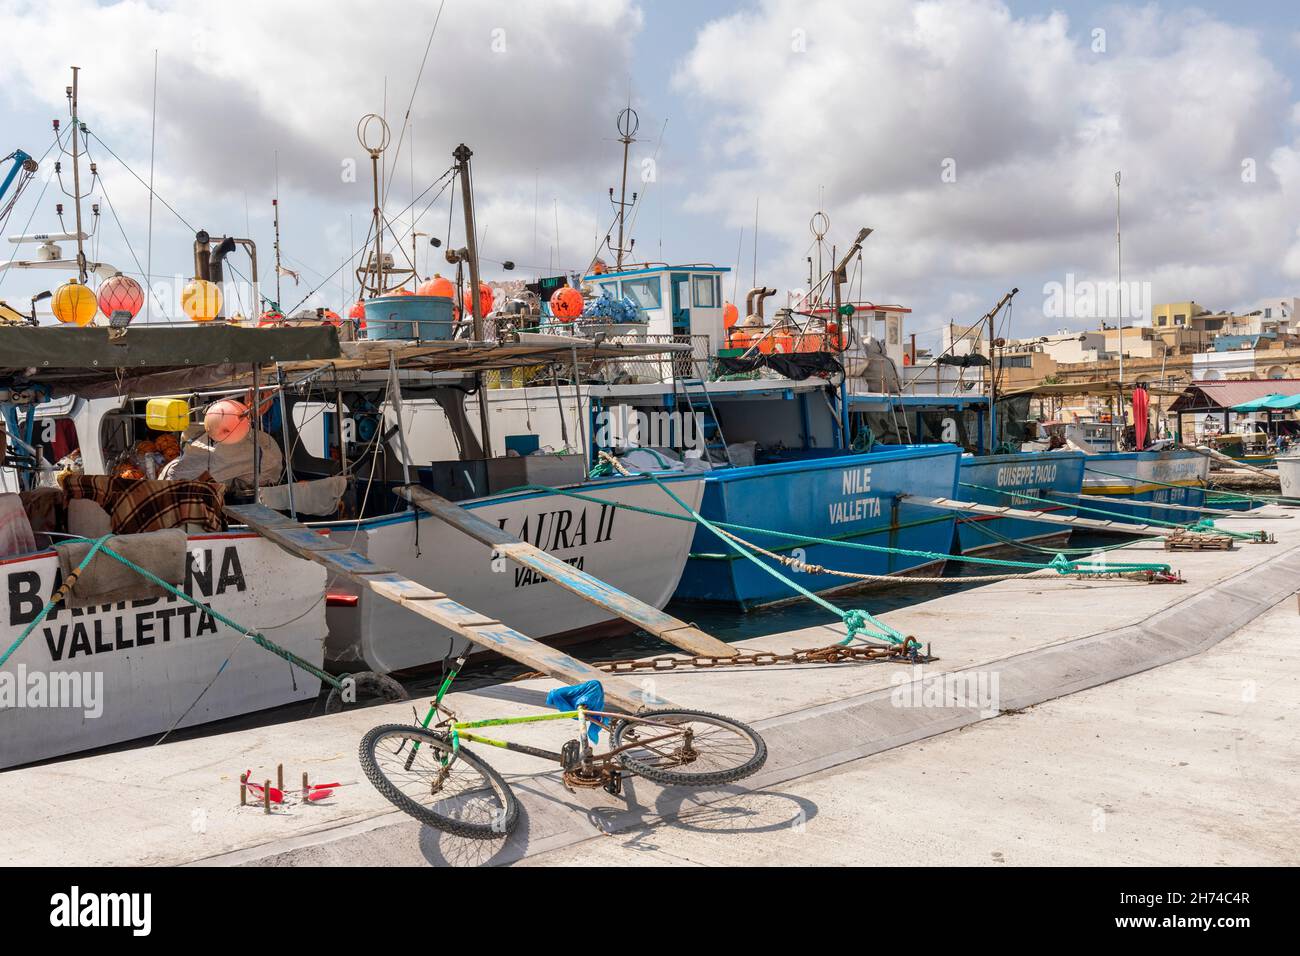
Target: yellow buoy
<point>201,300</point>
<point>74,304</point>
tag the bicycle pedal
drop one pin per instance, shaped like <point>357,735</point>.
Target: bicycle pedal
<point>614,785</point>
<point>570,755</point>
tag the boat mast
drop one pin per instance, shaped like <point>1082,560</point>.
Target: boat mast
<point>461,154</point>
<point>1119,269</point>
<point>628,122</point>
<point>275,208</point>
<point>375,149</point>
<point>76,175</point>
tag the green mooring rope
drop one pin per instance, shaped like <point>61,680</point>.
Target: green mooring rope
<point>855,621</point>
<point>261,640</point>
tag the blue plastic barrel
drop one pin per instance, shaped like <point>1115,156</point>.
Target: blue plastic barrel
<point>427,318</point>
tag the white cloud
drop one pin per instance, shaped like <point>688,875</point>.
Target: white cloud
<point>530,87</point>
<point>1036,123</point>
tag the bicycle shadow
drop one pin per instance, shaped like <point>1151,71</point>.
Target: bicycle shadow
<point>547,812</point>
<point>721,812</point>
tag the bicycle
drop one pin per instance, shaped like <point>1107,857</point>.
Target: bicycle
<point>430,774</point>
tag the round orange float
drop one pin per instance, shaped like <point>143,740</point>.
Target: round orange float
<point>566,303</point>
<point>226,421</point>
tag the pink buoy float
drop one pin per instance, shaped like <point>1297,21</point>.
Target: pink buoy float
<point>227,421</point>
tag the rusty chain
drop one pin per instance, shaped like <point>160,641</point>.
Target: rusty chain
<point>909,652</point>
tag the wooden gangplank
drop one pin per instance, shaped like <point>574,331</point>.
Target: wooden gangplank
<point>651,619</point>
<point>1163,506</point>
<point>486,632</point>
<point>999,511</point>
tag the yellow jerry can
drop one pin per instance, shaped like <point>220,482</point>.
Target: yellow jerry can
<point>167,414</point>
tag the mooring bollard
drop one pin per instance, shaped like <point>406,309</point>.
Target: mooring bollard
<point>279,777</point>
<point>243,789</point>
<point>304,785</point>
<point>266,796</point>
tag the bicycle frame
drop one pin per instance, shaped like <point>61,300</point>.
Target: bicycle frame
<point>458,728</point>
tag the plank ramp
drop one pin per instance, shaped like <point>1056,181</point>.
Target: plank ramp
<point>1162,506</point>
<point>1093,524</point>
<point>664,626</point>
<point>485,631</point>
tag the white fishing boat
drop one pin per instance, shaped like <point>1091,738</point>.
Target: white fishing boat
<point>1288,471</point>
<point>142,661</point>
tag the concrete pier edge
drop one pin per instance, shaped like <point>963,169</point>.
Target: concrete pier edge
<point>797,739</point>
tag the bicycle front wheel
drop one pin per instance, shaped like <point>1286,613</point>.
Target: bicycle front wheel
<point>418,771</point>
<point>688,748</point>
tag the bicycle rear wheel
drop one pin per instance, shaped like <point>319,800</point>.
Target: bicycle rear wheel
<point>417,771</point>
<point>694,749</point>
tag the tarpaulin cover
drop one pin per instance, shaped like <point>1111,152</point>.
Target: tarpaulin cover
<point>106,580</point>
<point>793,365</point>
<point>963,361</point>
<point>73,357</point>
<point>589,694</point>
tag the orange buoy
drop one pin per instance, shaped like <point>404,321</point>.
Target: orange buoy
<point>566,303</point>
<point>439,286</point>
<point>486,298</point>
<point>730,315</point>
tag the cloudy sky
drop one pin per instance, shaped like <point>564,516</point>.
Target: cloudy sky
<point>979,139</point>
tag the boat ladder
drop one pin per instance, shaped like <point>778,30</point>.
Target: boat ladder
<point>589,588</point>
<point>1001,511</point>
<point>486,632</point>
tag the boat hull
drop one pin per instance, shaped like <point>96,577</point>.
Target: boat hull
<point>134,669</point>
<point>1288,471</point>
<point>996,479</point>
<point>1164,477</point>
<point>846,497</point>
<point>637,553</point>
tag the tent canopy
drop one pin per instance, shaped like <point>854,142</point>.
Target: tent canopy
<point>1269,403</point>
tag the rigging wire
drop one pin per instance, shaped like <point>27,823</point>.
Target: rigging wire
<point>131,249</point>
<point>406,120</point>
<point>37,205</point>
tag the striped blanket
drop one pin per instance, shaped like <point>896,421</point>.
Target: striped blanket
<point>137,505</point>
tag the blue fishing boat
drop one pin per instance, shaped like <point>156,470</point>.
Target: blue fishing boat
<point>1038,481</point>
<point>857,498</point>
<point>1048,481</point>
<point>1123,483</point>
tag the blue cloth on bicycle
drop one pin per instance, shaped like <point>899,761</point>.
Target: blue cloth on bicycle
<point>589,694</point>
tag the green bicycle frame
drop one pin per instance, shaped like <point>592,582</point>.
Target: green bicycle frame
<point>459,726</point>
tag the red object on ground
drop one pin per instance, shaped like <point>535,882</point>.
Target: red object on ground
<point>277,795</point>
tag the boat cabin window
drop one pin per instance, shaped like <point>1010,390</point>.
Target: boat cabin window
<point>645,292</point>
<point>705,291</point>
